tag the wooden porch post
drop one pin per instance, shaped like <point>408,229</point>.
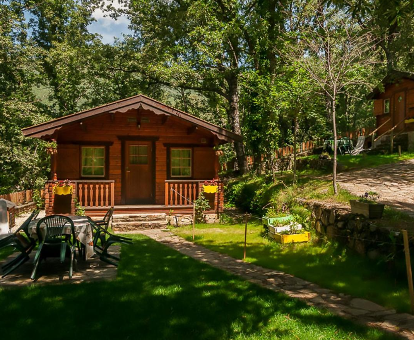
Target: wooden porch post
<point>217,163</point>
<point>52,151</point>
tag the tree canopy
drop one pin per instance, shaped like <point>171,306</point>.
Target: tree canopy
<point>274,71</point>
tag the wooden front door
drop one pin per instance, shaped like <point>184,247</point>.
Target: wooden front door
<point>399,110</point>
<point>139,172</point>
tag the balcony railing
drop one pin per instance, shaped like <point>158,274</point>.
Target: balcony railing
<point>184,192</point>
<point>95,193</point>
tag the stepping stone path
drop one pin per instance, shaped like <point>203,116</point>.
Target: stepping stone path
<point>394,183</point>
<point>359,310</point>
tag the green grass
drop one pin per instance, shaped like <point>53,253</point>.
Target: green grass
<point>162,294</point>
<point>361,161</point>
<point>326,264</point>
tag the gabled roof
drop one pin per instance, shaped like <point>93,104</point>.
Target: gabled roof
<point>391,78</point>
<point>123,105</point>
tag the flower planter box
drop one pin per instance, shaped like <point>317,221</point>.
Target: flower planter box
<point>210,189</point>
<point>293,238</point>
<point>276,220</point>
<point>65,190</point>
<point>369,210</point>
<point>276,230</point>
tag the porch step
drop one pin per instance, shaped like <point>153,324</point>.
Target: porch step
<point>139,217</point>
<point>133,222</point>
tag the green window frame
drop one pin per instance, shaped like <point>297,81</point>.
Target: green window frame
<point>181,162</point>
<point>93,161</point>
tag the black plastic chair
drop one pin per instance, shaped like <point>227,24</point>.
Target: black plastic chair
<point>15,240</point>
<point>104,224</point>
<point>106,240</point>
<point>54,241</point>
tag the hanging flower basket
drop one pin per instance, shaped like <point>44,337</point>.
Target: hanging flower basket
<point>66,190</point>
<point>210,187</point>
<point>63,188</point>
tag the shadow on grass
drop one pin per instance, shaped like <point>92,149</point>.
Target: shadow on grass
<point>162,294</point>
<point>332,267</point>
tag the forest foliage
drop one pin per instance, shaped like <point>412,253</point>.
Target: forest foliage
<point>258,68</point>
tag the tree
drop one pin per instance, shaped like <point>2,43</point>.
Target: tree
<point>22,161</point>
<point>390,23</point>
<point>337,54</point>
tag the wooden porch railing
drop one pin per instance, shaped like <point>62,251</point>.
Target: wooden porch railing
<point>95,193</point>
<point>391,131</point>
<point>184,192</point>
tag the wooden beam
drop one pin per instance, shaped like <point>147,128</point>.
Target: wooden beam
<point>192,129</point>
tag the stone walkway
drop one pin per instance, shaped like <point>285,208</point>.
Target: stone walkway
<point>359,310</point>
<point>394,183</point>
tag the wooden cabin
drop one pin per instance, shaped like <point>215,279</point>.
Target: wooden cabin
<point>136,154</point>
<point>394,103</point>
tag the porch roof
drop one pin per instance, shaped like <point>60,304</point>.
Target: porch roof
<point>123,105</point>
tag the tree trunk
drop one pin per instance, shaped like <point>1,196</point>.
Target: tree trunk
<point>335,141</point>
<point>295,132</point>
<point>234,117</point>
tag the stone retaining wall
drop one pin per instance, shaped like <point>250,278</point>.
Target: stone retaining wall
<point>179,220</point>
<point>365,236</point>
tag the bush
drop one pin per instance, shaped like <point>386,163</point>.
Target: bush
<point>252,194</point>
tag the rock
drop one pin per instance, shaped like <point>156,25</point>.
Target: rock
<point>351,225</point>
<point>340,225</point>
<point>355,311</point>
<point>384,312</point>
<point>332,217</point>
<point>373,228</point>
<point>373,254</point>
<point>318,227</point>
<point>325,217</point>
<point>330,232</point>
<point>366,305</point>
<point>359,247</point>
<point>318,211</point>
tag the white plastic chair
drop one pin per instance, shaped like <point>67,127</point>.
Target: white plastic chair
<point>4,221</point>
<point>359,147</point>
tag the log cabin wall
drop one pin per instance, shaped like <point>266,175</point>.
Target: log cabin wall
<point>111,130</point>
<point>401,105</point>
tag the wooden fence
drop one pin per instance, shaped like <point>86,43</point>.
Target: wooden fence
<point>301,148</point>
<point>19,197</point>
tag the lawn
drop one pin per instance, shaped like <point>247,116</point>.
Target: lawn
<point>326,264</point>
<point>349,162</point>
<point>162,294</point>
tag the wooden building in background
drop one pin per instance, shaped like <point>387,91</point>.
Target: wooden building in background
<point>136,154</point>
<point>394,103</point>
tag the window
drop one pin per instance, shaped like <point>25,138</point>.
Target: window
<point>93,161</point>
<point>386,106</point>
<point>138,154</point>
<point>180,162</point>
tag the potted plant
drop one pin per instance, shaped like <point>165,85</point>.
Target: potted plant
<point>366,205</point>
<point>63,187</point>
<point>210,187</point>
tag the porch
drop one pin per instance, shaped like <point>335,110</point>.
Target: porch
<point>97,196</point>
